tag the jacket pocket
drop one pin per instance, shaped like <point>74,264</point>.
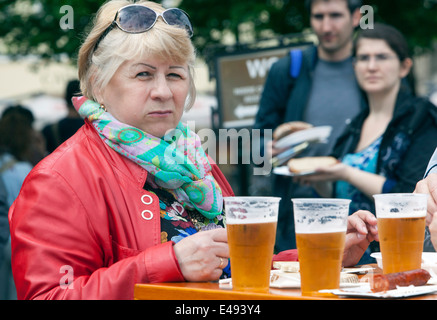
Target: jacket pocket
<point>121,252</point>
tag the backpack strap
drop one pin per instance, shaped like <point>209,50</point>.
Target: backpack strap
<point>296,62</point>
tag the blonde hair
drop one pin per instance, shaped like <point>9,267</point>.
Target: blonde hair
<point>97,67</point>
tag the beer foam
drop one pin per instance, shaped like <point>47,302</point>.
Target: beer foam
<point>399,205</point>
<point>251,220</point>
<point>304,230</point>
<point>397,215</point>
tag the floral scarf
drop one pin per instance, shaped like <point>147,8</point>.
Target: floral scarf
<point>177,160</point>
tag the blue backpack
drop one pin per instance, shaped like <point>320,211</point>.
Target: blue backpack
<point>296,62</point>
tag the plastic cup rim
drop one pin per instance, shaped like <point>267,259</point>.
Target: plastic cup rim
<point>248,198</point>
<point>324,200</point>
<point>400,195</point>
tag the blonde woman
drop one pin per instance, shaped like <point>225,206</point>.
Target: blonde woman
<point>131,197</point>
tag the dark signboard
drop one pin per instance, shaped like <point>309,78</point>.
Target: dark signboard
<point>240,81</point>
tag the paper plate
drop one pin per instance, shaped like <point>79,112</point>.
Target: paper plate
<point>401,292</point>
<point>312,134</point>
<point>284,171</point>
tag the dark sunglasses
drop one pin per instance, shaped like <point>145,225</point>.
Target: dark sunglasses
<point>136,18</point>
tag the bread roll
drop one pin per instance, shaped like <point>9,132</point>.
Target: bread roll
<point>286,266</point>
<point>310,164</point>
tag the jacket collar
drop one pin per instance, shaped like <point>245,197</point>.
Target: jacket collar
<point>403,105</point>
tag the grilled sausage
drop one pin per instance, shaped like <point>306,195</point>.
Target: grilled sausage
<point>384,282</point>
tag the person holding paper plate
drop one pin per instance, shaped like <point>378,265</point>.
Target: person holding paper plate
<point>312,87</point>
<point>386,148</point>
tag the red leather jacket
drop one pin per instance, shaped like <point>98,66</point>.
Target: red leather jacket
<point>83,218</point>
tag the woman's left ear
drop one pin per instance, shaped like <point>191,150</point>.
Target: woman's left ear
<point>406,66</point>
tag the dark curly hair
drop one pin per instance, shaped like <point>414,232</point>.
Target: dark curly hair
<point>16,131</point>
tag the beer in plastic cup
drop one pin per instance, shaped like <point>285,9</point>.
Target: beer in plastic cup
<point>401,228</point>
<point>251,227</point>
<point>321,226</point>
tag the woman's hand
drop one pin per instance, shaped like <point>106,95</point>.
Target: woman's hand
<point>204,255</point>
<point>361,231</point>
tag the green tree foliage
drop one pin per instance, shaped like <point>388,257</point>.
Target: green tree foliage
<point>32,26</point>
<point>213,20</point>
<point>416,19</point>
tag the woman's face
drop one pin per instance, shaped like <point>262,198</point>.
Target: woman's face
<point>148,94</point>
<point>377,67</point>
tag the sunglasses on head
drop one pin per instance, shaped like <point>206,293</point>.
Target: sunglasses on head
<point>136,18</point>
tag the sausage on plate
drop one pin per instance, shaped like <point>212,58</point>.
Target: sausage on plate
<point>385,282</point>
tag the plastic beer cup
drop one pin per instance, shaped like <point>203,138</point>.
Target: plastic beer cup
<point>401,228</point>
<point>251,228</point>
<point>321,226</point>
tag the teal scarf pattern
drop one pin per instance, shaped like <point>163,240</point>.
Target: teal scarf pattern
<point>177,160</point>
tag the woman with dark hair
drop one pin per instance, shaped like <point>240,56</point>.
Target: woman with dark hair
<point>386,148</point>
